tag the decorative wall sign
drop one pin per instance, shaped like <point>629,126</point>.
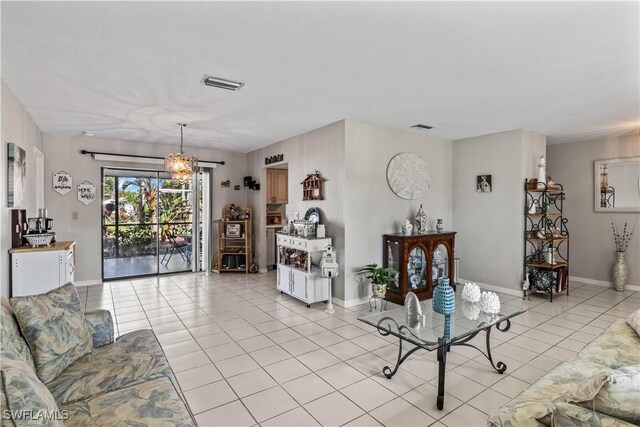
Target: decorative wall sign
<point>483,183</point>
<point>274,159</point>
<point>86,192</point>
<point>62,182</point>
<point>408,176</point>
<point>248,180</point>
<point>236,187</point>
<point>226,183</point>
<point>16,175</point>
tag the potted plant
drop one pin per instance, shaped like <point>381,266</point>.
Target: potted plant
<point>380,277</point>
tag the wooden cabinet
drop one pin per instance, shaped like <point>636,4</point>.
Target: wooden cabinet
<point>296,275</point>
<point>277,186</point>
<point>41,269</point>
<point>546,240</point>
<point>420,259</point>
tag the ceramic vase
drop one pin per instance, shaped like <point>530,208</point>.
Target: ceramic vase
<point>443,300</point>
<point>421,221</point>
<point>407,228</point>
<point>378,290</point>
<point>448,327</point>
<point>620,273</point>
<point>440,225</point>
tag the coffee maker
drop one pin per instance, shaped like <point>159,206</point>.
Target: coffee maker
<point>41,224</point>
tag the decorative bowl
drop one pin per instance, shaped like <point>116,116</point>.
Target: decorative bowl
<point>39,239</point>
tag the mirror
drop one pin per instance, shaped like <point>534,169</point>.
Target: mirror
<point>617,185</point>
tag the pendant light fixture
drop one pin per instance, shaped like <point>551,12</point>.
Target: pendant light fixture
<point>180,166</point>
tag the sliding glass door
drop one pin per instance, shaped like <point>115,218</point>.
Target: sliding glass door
<point>147,224</point>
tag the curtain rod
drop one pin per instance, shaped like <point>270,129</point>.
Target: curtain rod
<point>93,153</point>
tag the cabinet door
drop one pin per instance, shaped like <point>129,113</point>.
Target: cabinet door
<point>35,272</point>
<point>281,186</point>
<point>284,279</point>
<point>299,285</point>
<point>271,186</point>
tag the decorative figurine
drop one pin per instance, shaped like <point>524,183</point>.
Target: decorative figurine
<point>413,311</point>
<point>421,221</point>
<point>471,292</point>
<point>542,173</point>
<point>490,303</point>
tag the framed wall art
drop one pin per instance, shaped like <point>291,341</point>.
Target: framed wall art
<point>16,175</point>
<point>483,184</point>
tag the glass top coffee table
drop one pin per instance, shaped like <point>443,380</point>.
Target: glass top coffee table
<point>440,332</point>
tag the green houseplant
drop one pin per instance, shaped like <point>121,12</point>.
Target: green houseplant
<point>380,277</point>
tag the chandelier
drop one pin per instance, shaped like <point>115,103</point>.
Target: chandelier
<point>180,166</point>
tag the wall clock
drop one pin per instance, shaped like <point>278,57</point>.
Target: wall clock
<point>408,176</point>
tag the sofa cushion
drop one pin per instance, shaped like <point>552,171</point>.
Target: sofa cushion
<point>634,321</point>
<point>29,401</point>
<point>569,415</point>
<point>54,328</point>
<point>613,392</point>
<point>12,343</point>
<point>618,346</point>
<point>134,357</point>
<point>150,403</point>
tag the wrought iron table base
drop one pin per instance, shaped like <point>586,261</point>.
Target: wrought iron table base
<point>442,351</point>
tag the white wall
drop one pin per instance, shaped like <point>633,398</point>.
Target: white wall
<point>371,209</point>
<point>63,153</point>
<point>592,247</point>
<point>320,149</point>
<point>17,127</point>
<point>490,225</point>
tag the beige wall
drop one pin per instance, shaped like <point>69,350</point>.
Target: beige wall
<point>371,209</point>
<point>490,225</point>
<point>592,247</point>
<point>63,153</point>
<point>17,127</point>
<point>320,149</point>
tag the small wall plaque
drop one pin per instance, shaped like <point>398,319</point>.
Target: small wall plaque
<point>62,182</point>
<point>86,192</point>
<point>274,159</point>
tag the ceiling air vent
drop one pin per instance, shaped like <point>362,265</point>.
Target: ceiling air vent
<point>421,126</point>
<point>221,83</point>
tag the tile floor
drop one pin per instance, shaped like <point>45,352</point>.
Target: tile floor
<point>246,355</point>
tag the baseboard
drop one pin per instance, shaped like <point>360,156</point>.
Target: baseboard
<point>264,270</point>
<point>87,282</point>
<point>602,283</point>
<point>349,303</point>
<point>494,288</point>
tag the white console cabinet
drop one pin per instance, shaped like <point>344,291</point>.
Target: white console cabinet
<point>297,276</point>
<point>41,269</point>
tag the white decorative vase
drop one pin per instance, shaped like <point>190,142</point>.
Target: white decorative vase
<point>407,228</point>
<point>620,273</point>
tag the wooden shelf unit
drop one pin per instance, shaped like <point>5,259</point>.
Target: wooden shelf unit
<point>546,259</point>
<point>235,254</point>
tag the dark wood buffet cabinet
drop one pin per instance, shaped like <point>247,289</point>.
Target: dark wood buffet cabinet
<point>420,259</point>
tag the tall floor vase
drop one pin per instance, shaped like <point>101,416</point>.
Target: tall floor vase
<point>620,272</point>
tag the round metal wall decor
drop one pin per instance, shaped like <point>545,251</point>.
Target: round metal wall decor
<point>408,176</point>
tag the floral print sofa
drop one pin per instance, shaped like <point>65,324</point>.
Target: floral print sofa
<point>541,404</point>
<point>126,382</point>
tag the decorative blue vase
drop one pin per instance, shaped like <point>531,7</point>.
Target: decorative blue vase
<point>444,299</point>
<point>448,327</point>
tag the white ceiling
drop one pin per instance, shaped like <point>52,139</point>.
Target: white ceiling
<point>130,71</point>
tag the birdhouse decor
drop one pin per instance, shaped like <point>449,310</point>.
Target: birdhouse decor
<point>329,265</point>
<point>329,270</point>
<point>312,187</point>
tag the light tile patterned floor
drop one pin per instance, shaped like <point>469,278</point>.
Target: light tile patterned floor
<point>246,355</point>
